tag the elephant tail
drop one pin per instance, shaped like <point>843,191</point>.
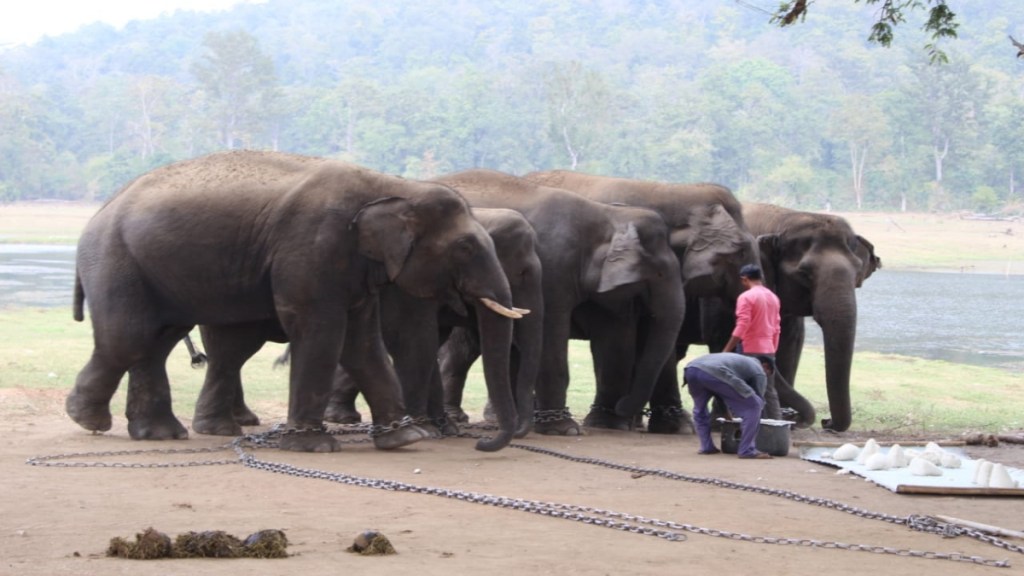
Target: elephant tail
<point>79,298</point>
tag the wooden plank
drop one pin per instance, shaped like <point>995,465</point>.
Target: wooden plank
<point>979,526</point>
<point>957,491</point>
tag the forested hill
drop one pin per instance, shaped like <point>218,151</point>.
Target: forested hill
<point>810,116</point>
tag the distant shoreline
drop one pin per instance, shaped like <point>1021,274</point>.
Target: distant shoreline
<point>946,243</point>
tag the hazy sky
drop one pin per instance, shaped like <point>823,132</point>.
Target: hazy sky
<point>27,21</point>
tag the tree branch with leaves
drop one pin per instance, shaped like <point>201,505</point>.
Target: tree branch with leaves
<point>941,23</point>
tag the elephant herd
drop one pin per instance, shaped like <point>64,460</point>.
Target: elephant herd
<point>394,287</point>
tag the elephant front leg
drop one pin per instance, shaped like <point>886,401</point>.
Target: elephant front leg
<point>667,413</point>
<point>365,359</point>
<point>314,358</point>
<point>552,416</point>
<point>612,348</point>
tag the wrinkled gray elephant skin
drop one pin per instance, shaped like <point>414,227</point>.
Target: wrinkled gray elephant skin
<point>412,329</point>
<point>271,241</point>
<point>711,242</point>
<point>613,258</point>
<point>814,263</point>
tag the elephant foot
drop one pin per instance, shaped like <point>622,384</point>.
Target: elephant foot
<point>456,414</point>
<point>670,420</point>
<point>800,421</point>
<point>557,422</point>
<point>602,417</point>
<point>165,428</point>
<point>89,415</point>
<point>308,441</point>
<point>246,417</point>
<point>449,428</point>
<point>215,426</point>
<point>830,425</point>
<point>342,415</point>
<point>431,426</point>
<point>559,428</point>
<point>398,437</point>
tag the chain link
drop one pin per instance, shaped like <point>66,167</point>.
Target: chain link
<point>553,415</point>
<point>919,523</point>
<point>377,429</point>
<point>62,460</point>
<point>667,530</point>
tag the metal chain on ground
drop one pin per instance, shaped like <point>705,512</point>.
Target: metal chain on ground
<point>586,515</point>
<point>914,522</point>
<point>70,459</point>
<point>62,460</point>
<point>668,530</point>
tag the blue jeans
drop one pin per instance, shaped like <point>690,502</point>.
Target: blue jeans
<point>702,388</point>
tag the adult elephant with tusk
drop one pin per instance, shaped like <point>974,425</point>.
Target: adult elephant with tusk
<point>413,329</point>
<point>613,260</point>
<point>262,242</point>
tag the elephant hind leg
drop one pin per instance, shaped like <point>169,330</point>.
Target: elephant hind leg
<point>341,407</point>
<point>220,408</point>
<point>149,412</point>
<point>88,404</point>
<point>455,358</point>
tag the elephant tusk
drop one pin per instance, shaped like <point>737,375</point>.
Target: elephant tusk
<point>514,313</point>
<point>522,311</point>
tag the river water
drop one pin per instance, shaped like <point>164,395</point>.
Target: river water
<point>963,318</point>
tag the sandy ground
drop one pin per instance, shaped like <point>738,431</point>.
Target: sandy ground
<point>60,520</point>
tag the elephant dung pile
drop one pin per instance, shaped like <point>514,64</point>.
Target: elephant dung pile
<point>371,543</point>
<point>152,544</point>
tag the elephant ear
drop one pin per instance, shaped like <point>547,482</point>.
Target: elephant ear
<point>622,264</point>
<point>386,235</point>
<point>866,252</point>
<point>768,246</point>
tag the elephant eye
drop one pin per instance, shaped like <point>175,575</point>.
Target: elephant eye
<point>465,247</point>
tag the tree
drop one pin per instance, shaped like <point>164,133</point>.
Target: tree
<point>238,82</point>
<point>941,23</point>
<point>578,105</point>
<point>861,123</point>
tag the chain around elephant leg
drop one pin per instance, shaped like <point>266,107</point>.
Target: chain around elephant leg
<point>670,420</point>
<point>556,422</point>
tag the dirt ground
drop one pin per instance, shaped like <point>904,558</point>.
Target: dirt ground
<point>60,520</point>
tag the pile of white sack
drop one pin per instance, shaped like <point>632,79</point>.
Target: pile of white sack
<point>928,462</point>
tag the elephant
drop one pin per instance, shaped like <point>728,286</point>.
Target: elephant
<point>711,242</point>
<point>814,262</point>
<point>412,329</point>
<point>278,245</point>
<point>613,260</point>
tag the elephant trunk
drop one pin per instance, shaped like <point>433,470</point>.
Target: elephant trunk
<point>669,306</point>
<point>495,349</point>
<point>838,321</point>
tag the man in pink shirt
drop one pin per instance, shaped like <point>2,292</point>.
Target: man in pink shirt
<point>758,326</point>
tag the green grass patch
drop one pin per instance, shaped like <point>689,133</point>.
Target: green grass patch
<point>45,349</point>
